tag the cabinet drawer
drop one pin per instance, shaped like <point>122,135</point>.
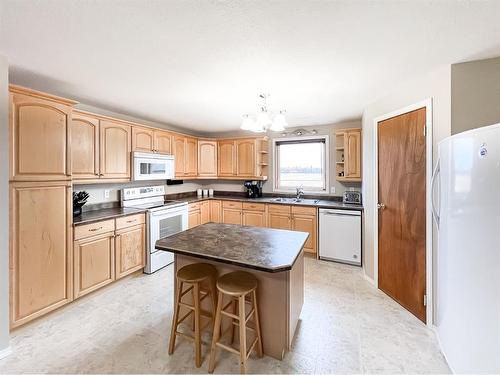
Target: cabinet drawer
<point>129,221</point>
<point>93,229</point>
<point>279,208</point>
<point>232,204</point>
<point>301,210</point>
<point>194,206</point>
<point>254,206</point>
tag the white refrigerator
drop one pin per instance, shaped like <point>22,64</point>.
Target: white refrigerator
<point>466,208</point>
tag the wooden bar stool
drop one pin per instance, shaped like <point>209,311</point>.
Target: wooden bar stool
<point>237,285</point>
<point>194,275</point>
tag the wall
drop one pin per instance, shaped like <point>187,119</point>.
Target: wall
<point>475,94</point>
<point>4,207</point>
<point>435,85</point>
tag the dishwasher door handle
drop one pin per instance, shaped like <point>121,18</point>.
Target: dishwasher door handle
<point>339,213</point>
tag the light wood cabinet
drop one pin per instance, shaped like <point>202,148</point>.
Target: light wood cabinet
<point>278,220</point>
<point>40,135</point>
<point>254,218</point>
<point>231,216</point>
<point>194,214</point>
<point>143,139</point>
<point>348,155</point>
<point>205,212</point>
<point>245,158</point>
<point>191,168</point>
<point>94,263</point>
<point>215,211</point>
<point>130,253</point>
<point>84,146</point>
<point>115,147</point>
<point>304,219</point>
<point>207,158</point>
<point>226,161</point>
<point>180,155</point>
<point>162,142</point>
<point>41,263</point>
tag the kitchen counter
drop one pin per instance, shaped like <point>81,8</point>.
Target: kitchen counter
<point>104,214</point>
<point>263,249</point>
<point>320,203</point>
<point>276,259</point>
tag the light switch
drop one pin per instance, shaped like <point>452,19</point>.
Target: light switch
<point>332,190</point>
<point>106,193</point>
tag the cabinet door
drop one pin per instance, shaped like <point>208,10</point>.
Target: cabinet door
<point>353,154</point>
<point>84,146</point>
<point>194,218</point>
<point>163,142</point>
<point>215,211</point>
<point>279,221</point>
<point>306,223</point>
<point>142,139</point>
<point>180,156</point>
<point>41,264</point>
<point>191,157</point>
<point>115,142</point>
<point>254,218</point>
<point>207,158</point>
<point>205,212</point>
<point>130,250</point>
<point>94,263</point>
<point>245,157</point>
<point>226,158</point>
<point>231,216</point>
<point>40,134</point>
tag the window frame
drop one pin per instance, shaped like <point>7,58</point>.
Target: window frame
<point>326,163</point>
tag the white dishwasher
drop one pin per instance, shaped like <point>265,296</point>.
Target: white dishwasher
<point>340,235</point>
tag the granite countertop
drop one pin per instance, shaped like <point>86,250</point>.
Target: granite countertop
<point>104,214</point>
<point>321,203</point>
<point>263,249</point>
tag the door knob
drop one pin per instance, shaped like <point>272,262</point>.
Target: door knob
<point>381,206</point>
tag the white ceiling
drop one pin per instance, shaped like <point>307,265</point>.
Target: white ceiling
<point>202,64</point>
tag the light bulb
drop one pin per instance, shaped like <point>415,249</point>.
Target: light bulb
<point>279,123</point>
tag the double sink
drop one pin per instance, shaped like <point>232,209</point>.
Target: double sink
<point>295,200</point>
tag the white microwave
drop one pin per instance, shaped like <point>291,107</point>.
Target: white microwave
<point>149,166</point>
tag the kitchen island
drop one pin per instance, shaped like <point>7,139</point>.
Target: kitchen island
<point>275,257</point>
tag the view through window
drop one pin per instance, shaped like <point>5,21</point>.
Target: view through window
<point>301,163</point>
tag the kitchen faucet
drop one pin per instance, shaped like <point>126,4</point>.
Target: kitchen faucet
<point>300,193</point>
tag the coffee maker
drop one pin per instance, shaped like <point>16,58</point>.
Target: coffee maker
<point>254,189</point>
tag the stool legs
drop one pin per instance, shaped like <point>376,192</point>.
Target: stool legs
<point>217,333</point>
<point>176,317</point>
<point>197,333</point>
<point>257,324</point>
<point>243,334</point>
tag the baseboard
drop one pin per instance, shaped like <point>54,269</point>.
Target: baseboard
<point>369,279</point>
<point>5,352</point>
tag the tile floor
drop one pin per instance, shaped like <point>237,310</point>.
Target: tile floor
<point>346,326</point>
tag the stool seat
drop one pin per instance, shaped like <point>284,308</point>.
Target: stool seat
<point>196,272</point>
<point>237,283</point>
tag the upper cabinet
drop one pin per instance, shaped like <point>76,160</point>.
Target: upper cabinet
<point>180,155</point>
<point>40,131</point>
<point>207,158</point>
<point>191,168</point>
<point>85,146</point>
<point>348,155</point>
<point>115,147</point>
<point>186,156</point>
<point>244,158</point>
<point>150,140</point>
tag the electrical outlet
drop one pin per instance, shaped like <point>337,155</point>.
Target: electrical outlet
<point>332,190</point>
<point>106,194</point>
<point>351,189</point>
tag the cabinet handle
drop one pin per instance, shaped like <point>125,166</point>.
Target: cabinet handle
<point>97,174</point>
<point>131,221</point>
<point>101,174</point>
<point>95,229</point>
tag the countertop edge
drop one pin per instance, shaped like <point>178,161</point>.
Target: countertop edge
<point>109,217</point>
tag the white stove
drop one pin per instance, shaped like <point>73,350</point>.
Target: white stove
<point>164,218</point>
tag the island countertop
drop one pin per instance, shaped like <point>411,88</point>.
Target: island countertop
<point>263,249</point>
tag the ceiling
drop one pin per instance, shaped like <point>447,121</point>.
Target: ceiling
<point>202,64</point>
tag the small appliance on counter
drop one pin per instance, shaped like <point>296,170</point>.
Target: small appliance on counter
<point>254,189</point>
<point>352,197</point>
<point>79,200</point>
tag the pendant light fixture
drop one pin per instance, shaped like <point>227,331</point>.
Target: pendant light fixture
<point>263,122</point>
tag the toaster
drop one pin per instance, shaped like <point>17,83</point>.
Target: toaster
<point>352,197</point>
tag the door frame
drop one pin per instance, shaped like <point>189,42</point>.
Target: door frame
<point>428,196</point>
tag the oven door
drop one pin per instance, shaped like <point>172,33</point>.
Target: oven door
<point>165,223</point>
<point>151,168</point>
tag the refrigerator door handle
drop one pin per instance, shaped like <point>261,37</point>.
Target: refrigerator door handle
<point>435,174</point>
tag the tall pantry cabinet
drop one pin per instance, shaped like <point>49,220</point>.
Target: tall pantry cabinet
<point>40,204</point>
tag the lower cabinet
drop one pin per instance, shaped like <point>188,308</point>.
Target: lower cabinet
<point>41,263</point>
<point>215,211</point>
<point>231,216</point>
<point>304,219</point>
<point>94,263</point>
<point>130,254</point>
<point>194,214</point>
<point>205,212</point>
<point>254,214</point>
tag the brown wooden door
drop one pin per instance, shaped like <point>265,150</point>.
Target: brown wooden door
<point>226,156</point>
<point>94,263</point>
<point>207,158</point>
<point>85,146</point>
<point>401,221</point>
<point>245,157</point>
<point>142,139</point>
<point>115,143</point>
<point>130,250</point>
<point>41,265</point>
